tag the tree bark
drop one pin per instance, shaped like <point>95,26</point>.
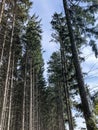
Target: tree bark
<point>86,109</point>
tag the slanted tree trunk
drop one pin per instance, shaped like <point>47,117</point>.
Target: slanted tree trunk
<point>11,94</point>
<point>7,74</point>
<point>2,10</point>
<point>90,123</point>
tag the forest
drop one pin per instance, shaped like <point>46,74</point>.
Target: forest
<point>27,100</point>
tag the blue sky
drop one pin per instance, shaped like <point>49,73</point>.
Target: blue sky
<point>91,67</point>
<point>45,9</point>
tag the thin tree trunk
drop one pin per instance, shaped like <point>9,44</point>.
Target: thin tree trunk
<point>12,119</point>
<point>33,98</point>
<point>24,95</point>
<point>35,106</point>
<point>39,120</point>
<point>90,123</point>
<point>31,95</point>
<point>37,99</point>
<point>2,10</point>
<point>11,94</point>
<point>7,75</point>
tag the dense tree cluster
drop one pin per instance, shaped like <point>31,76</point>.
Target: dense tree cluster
<point>21,67</point>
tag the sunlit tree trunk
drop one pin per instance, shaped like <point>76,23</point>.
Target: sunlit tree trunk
<point>90,123</point>
<point>11,94</point>
<point>5,119</point>
<point>2,10</point>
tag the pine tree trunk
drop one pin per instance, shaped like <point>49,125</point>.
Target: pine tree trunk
<point>24,95</point>
<point>2,10</point>
<point>86,109</point>
<point>7,74</point>
<point>33,98</point>
<point>35,106</point>
<point>37,97</point>
<point>31,95</point>
<point>39,120</point>
<point>11,94</point>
